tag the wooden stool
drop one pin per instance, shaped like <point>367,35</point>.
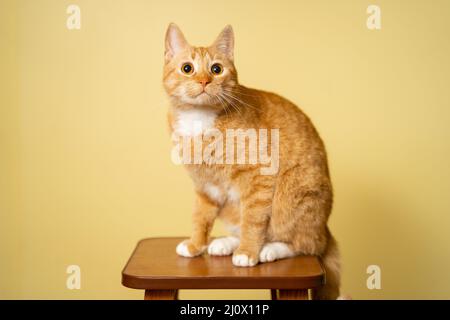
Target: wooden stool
<point>155,267</point>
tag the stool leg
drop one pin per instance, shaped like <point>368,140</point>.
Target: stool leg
<point>273,294</point>
<point>312,294</point>
<point>293,294</point>
<point>161,295</point>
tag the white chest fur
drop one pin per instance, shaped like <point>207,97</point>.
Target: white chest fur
<point>193,122</point>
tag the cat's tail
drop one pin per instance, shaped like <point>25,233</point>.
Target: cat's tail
<point>331,263</point>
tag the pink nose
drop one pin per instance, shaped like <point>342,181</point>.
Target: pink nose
<point>204,82</point>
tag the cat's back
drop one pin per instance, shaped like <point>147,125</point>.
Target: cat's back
<point>279,112</point>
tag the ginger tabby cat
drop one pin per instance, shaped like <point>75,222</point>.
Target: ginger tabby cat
<point>271,216</point>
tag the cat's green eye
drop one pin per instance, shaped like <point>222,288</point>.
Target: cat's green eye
<point>187,68</point>
<point>216,68</point>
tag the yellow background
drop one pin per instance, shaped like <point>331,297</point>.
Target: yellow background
<point>85,154</point>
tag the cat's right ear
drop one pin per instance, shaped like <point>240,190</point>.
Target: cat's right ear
<point>175,41</point>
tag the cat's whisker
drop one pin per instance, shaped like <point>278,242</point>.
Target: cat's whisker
<point>236,90</point>
<point>234,94</point>
<point>240,101</point>
<point>240,90</point>
<point>231,103</point>
<point>227,102</point>
<point>223,104</point>
<point>244,102</point>
<point>247,104</point>
<point>234,103</point>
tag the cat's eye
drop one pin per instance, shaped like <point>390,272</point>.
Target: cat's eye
<point>216,68</point>
<point>187,68</point>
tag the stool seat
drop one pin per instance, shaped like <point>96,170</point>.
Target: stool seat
<point>155,267</point>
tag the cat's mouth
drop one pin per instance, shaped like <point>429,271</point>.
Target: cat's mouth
<point>199,99</point>
<point>203,96</point>
<point>203,93</point>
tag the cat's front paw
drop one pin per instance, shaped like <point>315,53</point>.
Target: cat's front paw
<point>223,246</point>
<point>187,249</point>
<point>244,259</point>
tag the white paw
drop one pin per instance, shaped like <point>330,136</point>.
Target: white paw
<point>273,251</point>
<point>223,246</point>
<point>243,260</point>
<point>182,250</point>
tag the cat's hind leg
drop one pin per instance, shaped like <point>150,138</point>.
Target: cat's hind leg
<point>272,251</point>
<point>223,246</point>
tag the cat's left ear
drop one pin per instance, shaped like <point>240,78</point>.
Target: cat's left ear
<point>225,42</point>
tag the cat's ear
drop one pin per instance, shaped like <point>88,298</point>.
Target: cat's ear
<point>175,41</point>
<point>225,42</point>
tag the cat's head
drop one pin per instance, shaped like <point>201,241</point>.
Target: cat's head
<point>199,75</point>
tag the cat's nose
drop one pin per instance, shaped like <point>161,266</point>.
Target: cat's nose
<point>204,82</point>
